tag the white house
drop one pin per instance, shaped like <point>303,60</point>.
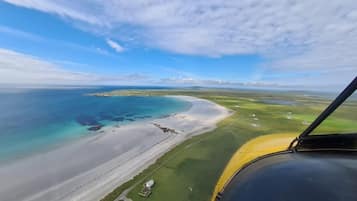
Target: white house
<point>149,184</point>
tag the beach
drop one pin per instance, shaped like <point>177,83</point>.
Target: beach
<point>90,168</point>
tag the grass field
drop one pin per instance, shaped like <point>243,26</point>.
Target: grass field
<point>189,171</point>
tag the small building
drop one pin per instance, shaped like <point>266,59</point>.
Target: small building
<point>147,187</point>
<point>150,183</point>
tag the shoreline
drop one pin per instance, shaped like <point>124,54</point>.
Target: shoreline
<point>91,168</point>
<point>81,132</point>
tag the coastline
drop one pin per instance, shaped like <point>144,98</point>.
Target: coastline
<point>91,168</point>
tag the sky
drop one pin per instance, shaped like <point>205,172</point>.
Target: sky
<point>257,43</point>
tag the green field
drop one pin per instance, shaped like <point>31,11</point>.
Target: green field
<point>189,171</point>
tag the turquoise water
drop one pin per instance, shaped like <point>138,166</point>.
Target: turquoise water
<point>36,120</point>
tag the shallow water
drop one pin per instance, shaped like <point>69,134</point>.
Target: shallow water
<point>34,120</point>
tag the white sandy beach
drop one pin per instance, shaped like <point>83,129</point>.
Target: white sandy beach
<point>90,168</point>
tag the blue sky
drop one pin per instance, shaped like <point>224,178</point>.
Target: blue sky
<point>178,43</point>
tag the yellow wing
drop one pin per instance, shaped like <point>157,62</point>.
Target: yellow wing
<point>251,150</point>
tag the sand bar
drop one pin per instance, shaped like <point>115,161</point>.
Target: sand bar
<point>90,168</point>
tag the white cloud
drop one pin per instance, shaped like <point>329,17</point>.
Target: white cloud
<point>115,45</point>
<point>19,33</point>
<point>190,81</point>
<point>22,69</point>
<point>71,9</point>
<point>19,68</point>
<point>42,40</point>
<point>294,36</point>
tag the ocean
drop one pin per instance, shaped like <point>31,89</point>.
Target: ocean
<point>33,121</point>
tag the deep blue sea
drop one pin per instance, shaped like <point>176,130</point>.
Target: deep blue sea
<point>36,120</point>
